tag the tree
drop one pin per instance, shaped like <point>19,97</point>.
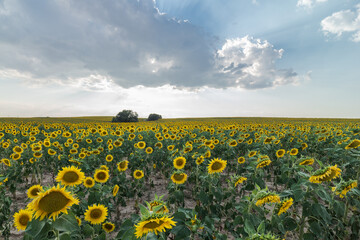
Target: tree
<point>126,116</point>
<point>154,117</point>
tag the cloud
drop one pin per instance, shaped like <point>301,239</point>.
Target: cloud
<point>250,63</point>
<point>346,21</point>
<point>308,3</point>
<point>99,44</point>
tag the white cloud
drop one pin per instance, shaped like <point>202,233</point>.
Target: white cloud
<point>100,44</point>
<point>308,3</point>
<point>345,21</point>
<point>250,64</point>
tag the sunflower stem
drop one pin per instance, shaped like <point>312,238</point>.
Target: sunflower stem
<point>346,211</point>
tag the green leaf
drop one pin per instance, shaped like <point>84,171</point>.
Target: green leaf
<point>65,236</point>
<point>320,211</point>
<point>66,223</point>
<point>127,231</point>
<point>249,227</point>
<point>339,208</point>
<point>289,224</point>
<point>315,228</point>
<point>38,229</point>
<point>88,230</point>
<point>261,228</point>
<point>102,236</point>
<point>143,210</point>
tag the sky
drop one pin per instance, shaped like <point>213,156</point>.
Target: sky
<point>180,58</point>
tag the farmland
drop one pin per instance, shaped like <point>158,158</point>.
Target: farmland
<point>208,178</point>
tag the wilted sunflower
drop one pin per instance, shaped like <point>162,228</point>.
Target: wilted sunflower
<point>285,204</point>
<point>216,165</point>
<point>70,176</point>
<point>280,153</point>
<point>241,160</point>
<point>268,198</point>
<point>179,162</point>
<point>123,165</point>
<point>240,180</point>
<point>109,158</point>
<point>344,187</point>
<point>179,177</point>
<point>325,174</point>
<point>307,161</point>
<point>101,175</point>
<point>52,202</point>
<point>294,152</point>
<point>153,224</point>
<point>115,190</point>
<point>22,218</point>
<point>96,214</point>
<point>263,161</point>
<point>354,144</point>
<point>89,182</point>
<point>138,174</point>
<point>108,227</point>
<point>33,191</point>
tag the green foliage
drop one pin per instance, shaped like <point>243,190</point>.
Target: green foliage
<point>154,117</point>
<point>126,116</point>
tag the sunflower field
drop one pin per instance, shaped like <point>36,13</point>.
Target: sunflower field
<point>226,178</point>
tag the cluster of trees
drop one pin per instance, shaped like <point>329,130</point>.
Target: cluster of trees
<point>131,116</point>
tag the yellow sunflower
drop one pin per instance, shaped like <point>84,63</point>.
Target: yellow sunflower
<point>294,152</point>
<point>115,190</point>
<point>179,162</point>
<point>216,165</point>
<point>263,163</point>
<point>179,177</point>
<point>153,224</point>
<point>33,191</point>
<point>280,153</point>
<point>171,147</point>
<point>354,144</point>
<point>96,214</point>
<point>78,220</point>
<point>149,150</point>
<point>199,160</point>
<point>6,162</point>
<point>109,158</point>
<point>89,182</point>
<point>22,218</point>
<point>308,161</point>
<point>240,180</point>
<point>141,145</point>
<point>138,174</point>
<point>70,176</point>
<point>52,202</point>
<point>101,175</point>
<point>285,205</point>
<point>108,227</point>
<point>123,165</point>
<point>252,153</point>
<point>269,198</point>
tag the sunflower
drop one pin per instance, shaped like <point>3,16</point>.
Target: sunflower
<point>344,187</point>
<point>22,218</point>
<point>294,152</point>
<point>18,149</point>
<point>179,162</point>
<point>149,150</point>
<point>108,227</point>
<point>252,153</point>
<point>16,156</point>
<point>216,166</point>
<point>33,191</point>
<point>240,180</point>
<point>115,190</point>
<point>159,145</point>
<point>280,153</point>
<point>325,174</point>
<point>268,198</point>
<point>241,160</point>
<point>308,161</point>
<point>179,177</point>
<point>70,176</point>
<point>52,202</point>
<point>284,206</point>
<point>89,182</point>
<point>233,143</point>
<point>37,154</point>
<point>354,144</point>
<point>123,165</point>
<point>6,162</point>
<point>158,202</point>
<point>304,146</point>
<point>199,160</point>
<point>138,174</point>
<point>109,158</point>
<point>171,147</point>
<point>141,145</point>
<point>96,214</point>
<point>101,175</point>
<point>153,224</point>
<point>78,220</point>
